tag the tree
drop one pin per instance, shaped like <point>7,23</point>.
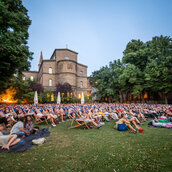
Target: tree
<point>136,54</point>
<point>64,88</point>
<point>23,92</point>
<point>46,96</point>
<point>34,86</point>
<point>130,81</point>
<point>145,67</point>
<point>106,81</point>
<point>14,52</point>
<point>158,72</point>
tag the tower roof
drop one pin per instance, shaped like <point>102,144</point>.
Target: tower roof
<point>41,58</point>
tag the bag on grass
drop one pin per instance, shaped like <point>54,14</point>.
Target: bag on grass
<point>38,141</point>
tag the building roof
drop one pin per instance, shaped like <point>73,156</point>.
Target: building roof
<point>63,49</point>
<point>30,71</point>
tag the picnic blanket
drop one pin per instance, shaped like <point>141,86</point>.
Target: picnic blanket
<point>27,141</point>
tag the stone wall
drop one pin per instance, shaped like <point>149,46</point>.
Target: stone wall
<point>65,54</point>
<point>29,74</point>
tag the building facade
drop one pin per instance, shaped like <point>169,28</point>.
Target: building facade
<point>62,67</point>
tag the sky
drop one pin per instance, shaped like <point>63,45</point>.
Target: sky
<point>98,30</point>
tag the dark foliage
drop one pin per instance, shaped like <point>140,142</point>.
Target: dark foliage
<point>64,88</point>
<point>36,87</point>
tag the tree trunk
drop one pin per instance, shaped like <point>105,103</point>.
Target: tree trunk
<point>120,96</point>
<point>165,98</point>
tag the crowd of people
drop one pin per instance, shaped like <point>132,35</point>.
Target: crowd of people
<point>20,120</point>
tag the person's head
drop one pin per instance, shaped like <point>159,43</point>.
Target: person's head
<point>22,119</point>
<point>28,118</point>
<point>1,127</point>
<point>123,115</point>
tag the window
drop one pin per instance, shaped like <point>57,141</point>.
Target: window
<point>81,84</point>
<point>50,82</point>
<point>31,78</point>
<point>81,73</point>
<point>24,78</point>
<point>66,58</point>
<point>50,70</point>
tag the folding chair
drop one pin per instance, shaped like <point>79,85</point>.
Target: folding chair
<point>77,122</point>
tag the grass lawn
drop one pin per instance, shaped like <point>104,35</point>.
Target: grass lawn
<point>103,149</point>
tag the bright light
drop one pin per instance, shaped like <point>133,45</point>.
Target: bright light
<point>7,97</point>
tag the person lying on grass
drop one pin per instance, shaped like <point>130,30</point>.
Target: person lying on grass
<point>123,124</point>
<point>7,140</point>
<point>156,123</point>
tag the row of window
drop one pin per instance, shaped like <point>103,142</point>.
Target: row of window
<point>50,71</point>
<point>50,83</point>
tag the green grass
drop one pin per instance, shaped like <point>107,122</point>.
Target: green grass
<point>103,149</point>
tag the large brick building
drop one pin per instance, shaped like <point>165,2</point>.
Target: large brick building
<point>62,67</point>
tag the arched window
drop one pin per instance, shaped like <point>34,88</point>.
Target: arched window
<point>81,84</point>
<point>50,82</point>
<point>81,73</point>
<point>50,70</point>
<point>31,78</point>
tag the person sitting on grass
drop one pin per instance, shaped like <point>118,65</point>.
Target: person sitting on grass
<point>132,118</point>
<point>123,124</point>
<point>29,126</point>
<point>7,140</point>
<point>3,119</point>
<point>18,128</point>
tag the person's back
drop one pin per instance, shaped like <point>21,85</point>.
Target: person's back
<point>16,128</point>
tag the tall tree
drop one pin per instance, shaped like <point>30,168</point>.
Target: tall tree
<point>14,52</point>
<point>136,54</point>
<point>158,71</point>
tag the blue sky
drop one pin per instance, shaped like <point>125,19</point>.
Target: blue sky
<point>97,29</point>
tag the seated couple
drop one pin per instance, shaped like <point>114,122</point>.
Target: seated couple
<point>124,123</point>
<point>24,127</point>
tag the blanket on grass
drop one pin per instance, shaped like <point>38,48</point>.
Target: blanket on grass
<point>27,141</point>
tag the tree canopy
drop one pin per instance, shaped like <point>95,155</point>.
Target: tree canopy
<point>14,52</point>
<point>146,67</point>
